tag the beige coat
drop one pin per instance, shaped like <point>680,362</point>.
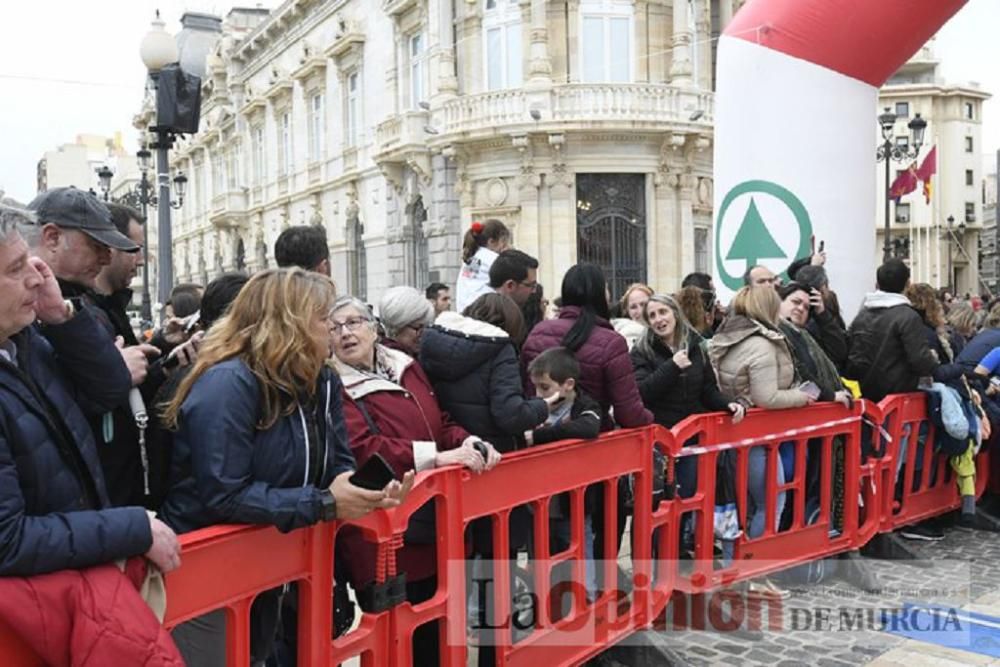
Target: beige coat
<point>754,365</point>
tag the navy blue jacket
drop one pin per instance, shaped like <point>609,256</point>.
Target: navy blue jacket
<point>977,348</point>
<point>226,470</point>
<point>54,509</point>
<point>477,379</point>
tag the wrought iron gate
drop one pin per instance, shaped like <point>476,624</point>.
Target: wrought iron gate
<point>611,226</point>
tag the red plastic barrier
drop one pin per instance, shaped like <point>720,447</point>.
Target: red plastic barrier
<point>930,491</point>
<point>226,566</point>
<point>803,541</point>
<point>533,477</point>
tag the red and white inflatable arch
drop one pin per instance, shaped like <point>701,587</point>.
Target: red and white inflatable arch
<point>795,131</point>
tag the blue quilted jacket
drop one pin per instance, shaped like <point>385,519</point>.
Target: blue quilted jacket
<point>54,509</point>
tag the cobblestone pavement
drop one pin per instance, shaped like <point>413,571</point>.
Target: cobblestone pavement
<point>965,569</point>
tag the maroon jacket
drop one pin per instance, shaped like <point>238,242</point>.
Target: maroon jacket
<point>401,421</point>
<point>605,367</point>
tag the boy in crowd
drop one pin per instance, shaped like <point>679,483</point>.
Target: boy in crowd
<point>572,415</point>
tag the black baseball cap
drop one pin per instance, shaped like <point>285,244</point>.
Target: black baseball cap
<point>70,208</point>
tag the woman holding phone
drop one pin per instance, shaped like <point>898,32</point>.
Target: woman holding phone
<point>260,437</point>
<point>391,411</point>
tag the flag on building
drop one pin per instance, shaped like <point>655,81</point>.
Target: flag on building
<point>926,171</point>
<point>904,184</point>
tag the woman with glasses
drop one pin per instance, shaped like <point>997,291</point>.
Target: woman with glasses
<point>391,410</point>
<point>404,312</point>
<point>260,436</point>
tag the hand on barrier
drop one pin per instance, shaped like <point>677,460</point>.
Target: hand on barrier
<point>738,412</point>
<point>464,455</point>
<point>353,502</point>
<point>844,398</point>
<point>681,359</point>
<point>136,358</point>
<point>489,452</point>
<point>396,491</point>
<point>166,550</point>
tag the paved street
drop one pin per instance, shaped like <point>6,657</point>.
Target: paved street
<point>965,575</point>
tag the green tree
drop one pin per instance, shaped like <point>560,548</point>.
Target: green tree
<point>753,242</point>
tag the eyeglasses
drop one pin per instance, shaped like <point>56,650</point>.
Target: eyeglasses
<point>532,285</point>
<point>351,325</point>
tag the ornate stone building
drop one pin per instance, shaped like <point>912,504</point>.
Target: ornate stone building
<point>586,125</point>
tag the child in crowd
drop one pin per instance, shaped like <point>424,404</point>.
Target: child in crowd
<point>572,415</point>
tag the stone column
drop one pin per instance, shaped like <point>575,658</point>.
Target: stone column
<point>641,64</point>
<point>725,13</point>
<point>447,82</point>
<point>680,67</point>
<point>470,47</point>
<point>529,233</point>
<point>703,43</point>
<point>443,227</point>
<point>540,66</point>
<point>685,197</point>
<point>664,242</point>
<point>561,249</point>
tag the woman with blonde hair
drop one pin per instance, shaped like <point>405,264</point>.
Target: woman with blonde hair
<point>260,437</point>
<point>630,322</point>
<point>963,321</point>
<point>754,365</point>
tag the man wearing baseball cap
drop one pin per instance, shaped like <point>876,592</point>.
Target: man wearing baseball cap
<point>75,235</point>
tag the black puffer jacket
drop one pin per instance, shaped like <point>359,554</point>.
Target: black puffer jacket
<point>672,394</point>
<point>889,350</point>
<point>477,379</point>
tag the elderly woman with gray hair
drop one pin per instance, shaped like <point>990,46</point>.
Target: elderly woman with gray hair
<point>404,312</point>
<point>391,411</point>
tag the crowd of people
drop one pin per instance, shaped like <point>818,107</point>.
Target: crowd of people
<point>259,397</point>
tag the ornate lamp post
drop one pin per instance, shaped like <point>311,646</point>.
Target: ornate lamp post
<point>890,151</point>
<point>158,49</point>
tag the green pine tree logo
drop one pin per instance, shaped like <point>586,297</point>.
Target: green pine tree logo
<point>753,242</point>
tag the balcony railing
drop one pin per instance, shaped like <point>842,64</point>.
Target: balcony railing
<point>592,105</point>
<point>630,102</point>
<point>485,111</point>
<point>402,130</point>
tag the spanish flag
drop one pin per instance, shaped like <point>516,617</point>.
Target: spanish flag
<point>926,171</point>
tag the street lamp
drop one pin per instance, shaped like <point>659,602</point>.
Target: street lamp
<point>104,175</point>
<point>890,151</point>
<point>142,197</point>
<point>158,50</point>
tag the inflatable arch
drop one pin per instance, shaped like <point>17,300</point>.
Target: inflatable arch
<point>795,132</point>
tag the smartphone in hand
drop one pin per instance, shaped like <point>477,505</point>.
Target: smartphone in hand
<point>374,475</point>
<point>810,389</point>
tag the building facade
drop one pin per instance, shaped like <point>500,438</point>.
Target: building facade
<point>938,253</point>
<point>585,125</point>
<point>989,253</point>
<point>77,163</point>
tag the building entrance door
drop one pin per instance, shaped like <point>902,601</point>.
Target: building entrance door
<point>611,227</point>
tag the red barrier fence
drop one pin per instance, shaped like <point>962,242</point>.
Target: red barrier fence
<point>925,481</point>
<point>226,567</point>
<point>825,436</point>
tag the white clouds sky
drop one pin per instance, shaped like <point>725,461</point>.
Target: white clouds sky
<point>45,44</point>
